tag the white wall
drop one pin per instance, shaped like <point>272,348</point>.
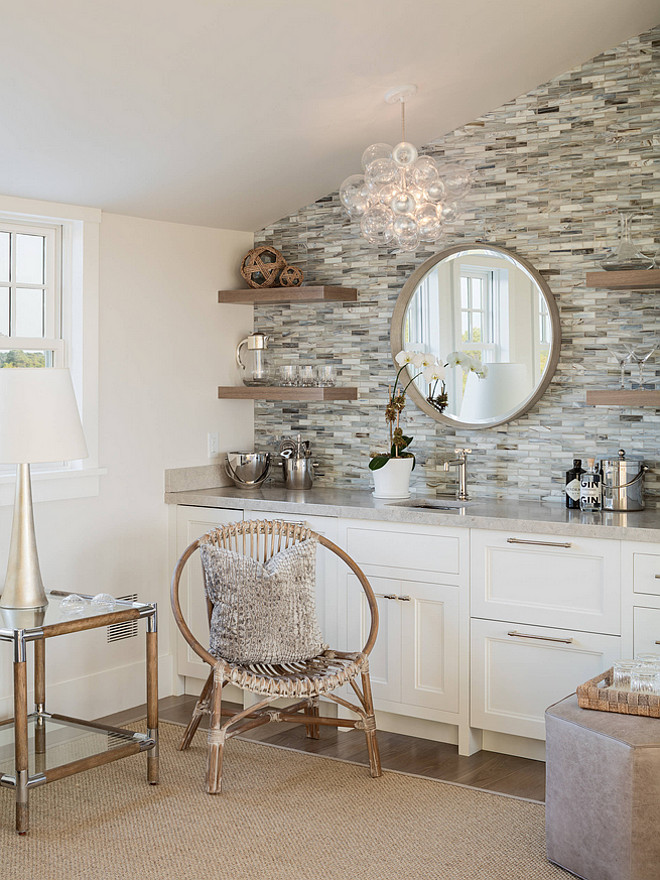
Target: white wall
<point>165,346</point>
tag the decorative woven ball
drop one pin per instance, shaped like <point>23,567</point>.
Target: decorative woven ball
<point>291,276</point>
<point>262,265</point>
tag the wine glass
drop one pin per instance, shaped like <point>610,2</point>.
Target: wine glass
<point>622,354</point>
<point>640,355</point>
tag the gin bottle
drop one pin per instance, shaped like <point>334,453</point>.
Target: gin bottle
<point>573,485</point>
<point>590,487</point>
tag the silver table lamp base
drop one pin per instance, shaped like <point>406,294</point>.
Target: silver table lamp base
<point>23,585</point>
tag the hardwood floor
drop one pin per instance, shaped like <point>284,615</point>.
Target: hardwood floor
<point>505,774</point>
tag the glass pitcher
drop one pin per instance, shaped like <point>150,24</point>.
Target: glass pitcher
<point>255,369</point>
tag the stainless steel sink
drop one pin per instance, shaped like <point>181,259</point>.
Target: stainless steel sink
<point>433,503</point>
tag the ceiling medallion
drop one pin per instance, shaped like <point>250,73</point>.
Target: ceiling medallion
<point>403,199</point>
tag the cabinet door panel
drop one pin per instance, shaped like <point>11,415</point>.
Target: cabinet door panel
<point>385,658</point>
<point>646,623</point>
<point>430,658</point>
<point>575,586</point>
<point>193,522</point>
<point>422,548</point>
<point>646,573</point>
<point>515,679</point>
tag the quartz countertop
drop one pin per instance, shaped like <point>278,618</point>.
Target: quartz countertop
<point>546,518</point>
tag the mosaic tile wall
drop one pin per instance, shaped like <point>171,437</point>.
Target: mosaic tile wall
<point>552,167</point>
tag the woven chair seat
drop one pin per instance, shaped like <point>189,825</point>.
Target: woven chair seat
<point>304,678</point>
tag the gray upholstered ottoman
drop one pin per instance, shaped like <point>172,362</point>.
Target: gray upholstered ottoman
<point>603,793</point>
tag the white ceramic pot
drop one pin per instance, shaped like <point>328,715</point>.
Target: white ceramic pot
<point>393,480</point>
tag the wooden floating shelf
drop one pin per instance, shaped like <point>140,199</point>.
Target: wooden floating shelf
<point>302,294</point>
<point>277,392</point>
<point>624,397</point>
<point>630,279</point>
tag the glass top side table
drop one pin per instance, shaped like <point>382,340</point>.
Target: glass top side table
<point>40,747</point>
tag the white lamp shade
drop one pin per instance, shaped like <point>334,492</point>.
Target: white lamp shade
<point>39,419</point>
<point>505,387</point>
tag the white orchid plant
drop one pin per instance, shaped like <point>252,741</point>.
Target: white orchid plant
<point>433,370</point>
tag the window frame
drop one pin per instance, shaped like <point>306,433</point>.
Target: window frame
<point>77,270</point>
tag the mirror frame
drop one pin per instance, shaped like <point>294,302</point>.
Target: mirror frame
<point>408,291</point>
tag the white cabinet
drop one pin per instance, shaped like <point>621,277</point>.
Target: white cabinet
<point>547,580</point>
<point>415,661</point>
<point>191,523</point>
<point>518,671</point>
<point>419,576</point>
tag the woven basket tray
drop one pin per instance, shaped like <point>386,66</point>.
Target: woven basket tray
<point>598,694</point>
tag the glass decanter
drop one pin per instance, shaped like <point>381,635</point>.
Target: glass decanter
<point>626,255</point>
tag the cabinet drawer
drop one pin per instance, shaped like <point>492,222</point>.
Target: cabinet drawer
<point>646,573</point>
<point>547,580</point>
<point>646,630</point>
<point>518,671</point>
<point>417,548</point>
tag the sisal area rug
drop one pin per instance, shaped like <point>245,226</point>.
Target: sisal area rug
<point>282,815</point>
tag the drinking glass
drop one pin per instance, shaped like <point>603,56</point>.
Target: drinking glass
<point>622,672</point>
<point>622,354</point>
<point>325,375</point>
<point>288,375</point>
<point>640,355</point>
<point>645,680</point>
<point>306,376</point>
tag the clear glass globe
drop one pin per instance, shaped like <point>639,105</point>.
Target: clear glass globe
<point>428,223</point>
<point>387,193</point>
<point>424,171</point>
<point>375,151</point>
<point>448,212</point>
<point>457,180</point>
<point>354,195</point>
<point>435,191</point>
<point>404,154</point>
<point>405,231</point>
<point>381,171</point>
<point>376,225</point>
<point>403,203</point>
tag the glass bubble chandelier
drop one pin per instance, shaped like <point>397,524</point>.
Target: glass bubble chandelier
<point>403,199</point>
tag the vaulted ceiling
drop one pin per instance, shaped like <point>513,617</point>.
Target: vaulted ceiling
<point>233,113</point>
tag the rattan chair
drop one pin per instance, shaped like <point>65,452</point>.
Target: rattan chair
<point>304,681</point>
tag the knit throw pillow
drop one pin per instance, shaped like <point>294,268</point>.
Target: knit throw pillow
<point>262,612</point>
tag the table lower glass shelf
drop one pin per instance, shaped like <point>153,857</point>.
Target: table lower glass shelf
<point>59,746</point>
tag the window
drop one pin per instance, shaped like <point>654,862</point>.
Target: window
<point>49,263</point>
<point>30,300</point>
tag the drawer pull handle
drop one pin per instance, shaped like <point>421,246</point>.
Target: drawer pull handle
<point>518,635</point>
<point>539,543</point>
<point>405,598</point>
<point>389,596</point>
<point>657,643</point>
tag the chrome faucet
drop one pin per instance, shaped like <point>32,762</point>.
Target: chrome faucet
<point>461,463</point>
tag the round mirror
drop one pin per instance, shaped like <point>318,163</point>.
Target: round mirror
<point>478,305</point>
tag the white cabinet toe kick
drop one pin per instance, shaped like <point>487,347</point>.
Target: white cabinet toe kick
<point>480,630</point>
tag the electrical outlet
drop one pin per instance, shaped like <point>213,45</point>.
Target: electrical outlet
<point>213,444</point>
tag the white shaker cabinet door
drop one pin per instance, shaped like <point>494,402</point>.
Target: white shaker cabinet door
<point>430,646</point>
<point>385,658</point>
<point>191,523</point>
<point>546,580</point>
<point>415,661</point>
<point>518,671</point>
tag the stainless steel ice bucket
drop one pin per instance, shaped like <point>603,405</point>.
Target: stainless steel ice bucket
<point>623,483</point>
